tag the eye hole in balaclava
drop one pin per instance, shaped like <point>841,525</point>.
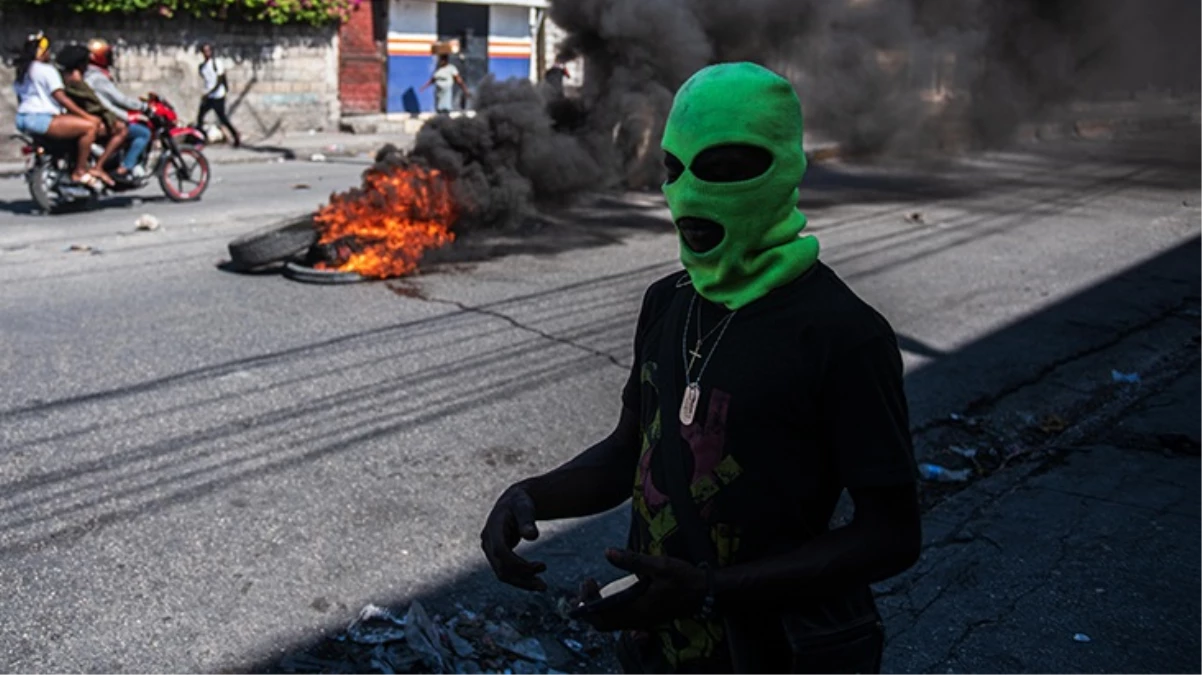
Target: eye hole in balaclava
<point>674,166</point>
<point>731,163</point>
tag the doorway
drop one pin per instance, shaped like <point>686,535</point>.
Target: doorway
<point>467,23</point>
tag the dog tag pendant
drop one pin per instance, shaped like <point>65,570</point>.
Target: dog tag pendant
<point>688,404</point>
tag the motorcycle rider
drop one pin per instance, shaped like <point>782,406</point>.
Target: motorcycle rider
<point>73,61</point>
<point>101,81</point>
<point>44,109</point>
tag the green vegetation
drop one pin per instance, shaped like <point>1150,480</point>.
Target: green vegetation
<point>314,12</point>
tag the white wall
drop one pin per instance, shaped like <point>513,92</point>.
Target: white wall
<point>413,17</point>
<point>509,22</point>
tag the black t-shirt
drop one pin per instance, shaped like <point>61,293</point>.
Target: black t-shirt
<point>802,397</point>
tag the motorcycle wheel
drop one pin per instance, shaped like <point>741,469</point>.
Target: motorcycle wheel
<point>42,180</point>
<point>184,179</point>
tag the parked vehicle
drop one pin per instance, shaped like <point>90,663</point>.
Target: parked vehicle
<point>175,157</point>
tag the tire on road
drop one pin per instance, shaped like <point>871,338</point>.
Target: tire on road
<point>273,244</point>
<point>298,272</point>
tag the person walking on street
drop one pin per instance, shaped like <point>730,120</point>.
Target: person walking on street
<point>444,79</point>
<point>216,87</point>
<point>44,109</point>
<point>762,387</point>
<point>99,78</point>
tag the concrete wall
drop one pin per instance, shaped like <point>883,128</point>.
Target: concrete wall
<point>281,78</point>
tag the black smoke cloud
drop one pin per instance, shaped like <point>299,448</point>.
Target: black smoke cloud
<point>875,76</point>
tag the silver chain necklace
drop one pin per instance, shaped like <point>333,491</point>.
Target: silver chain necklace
<point>692,390</point>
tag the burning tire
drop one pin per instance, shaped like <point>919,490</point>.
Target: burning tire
<point>312,275</point>
<point>273,244</point>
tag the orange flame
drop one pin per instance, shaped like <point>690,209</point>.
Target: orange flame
<point>389,222</point>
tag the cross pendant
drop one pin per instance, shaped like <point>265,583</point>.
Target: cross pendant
<point>695,354</point>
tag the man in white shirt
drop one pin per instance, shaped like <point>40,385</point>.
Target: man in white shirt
<point>216,87</point>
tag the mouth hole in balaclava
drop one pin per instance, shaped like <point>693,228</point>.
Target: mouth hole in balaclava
<point>731,163</point>
<point>700,234</point>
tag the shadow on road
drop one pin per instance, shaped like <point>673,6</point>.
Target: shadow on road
<point>27,207</point>
<point>158,474</point>
<point>1089,320</point>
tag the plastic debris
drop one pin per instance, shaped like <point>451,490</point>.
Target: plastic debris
<point>964,419</point>
<point>1125,378</point>
<point>1081,637</point>
<point>423,637</point>
<point>317,157</point>
<point>939,474</point>
<point>522,667</point>
<point>462,648</point>
<point>383,640</point>
<point>376,625</point>
<point>574,645</point>
<point>527,648</point>
<point>963,451</point>
<point>147,222</point>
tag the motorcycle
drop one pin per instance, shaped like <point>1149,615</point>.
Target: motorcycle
<point>175,156</point>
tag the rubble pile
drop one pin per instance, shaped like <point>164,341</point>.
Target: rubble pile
<point>380,640</point>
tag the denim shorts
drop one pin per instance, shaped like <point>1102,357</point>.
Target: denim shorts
<point>34,123</point>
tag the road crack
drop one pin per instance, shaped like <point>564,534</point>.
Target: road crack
<point>530,329</point>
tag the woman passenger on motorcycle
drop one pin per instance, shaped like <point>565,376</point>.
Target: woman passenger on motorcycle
<point>73,61</point>
<point>42,107</point>
<point>98,78</point>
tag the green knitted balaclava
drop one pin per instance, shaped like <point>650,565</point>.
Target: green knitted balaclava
<point>740,104</point>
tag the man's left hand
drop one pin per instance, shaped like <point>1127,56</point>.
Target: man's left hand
<point>676,590</point>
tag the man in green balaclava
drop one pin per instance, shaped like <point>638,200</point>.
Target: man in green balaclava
<point>734,159</point>
<point>762,388</point>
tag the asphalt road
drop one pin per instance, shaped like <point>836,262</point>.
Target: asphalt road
<point>201,469</point>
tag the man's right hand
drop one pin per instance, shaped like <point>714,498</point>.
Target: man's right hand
<point>512,520</point>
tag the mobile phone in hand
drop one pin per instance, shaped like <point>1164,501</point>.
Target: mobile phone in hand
<point>612,595</point>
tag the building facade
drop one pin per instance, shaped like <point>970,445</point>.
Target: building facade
<point>495,38</point>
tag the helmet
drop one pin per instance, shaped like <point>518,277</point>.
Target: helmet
<point>100,52</point>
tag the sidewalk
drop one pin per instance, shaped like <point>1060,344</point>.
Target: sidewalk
<point>302,147</point>
<point>1087,562</point>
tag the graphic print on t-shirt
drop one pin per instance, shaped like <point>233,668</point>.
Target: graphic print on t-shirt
<point>686,639</point>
